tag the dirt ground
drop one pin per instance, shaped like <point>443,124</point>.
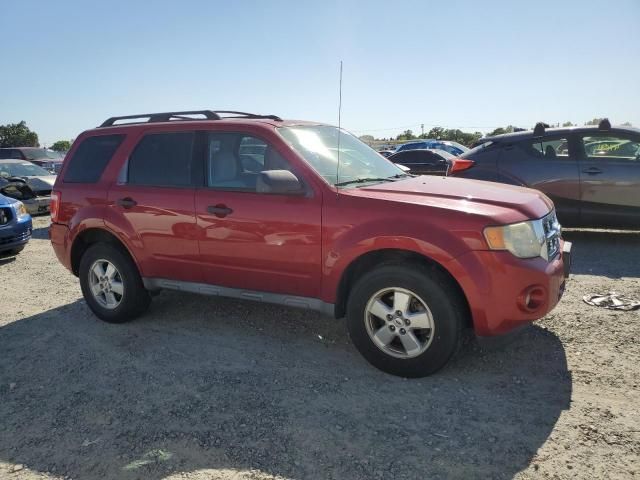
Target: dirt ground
<point>202,387</point>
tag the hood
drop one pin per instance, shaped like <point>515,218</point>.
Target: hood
<point>504,203</point>
<point>6,201</point>
<point>44,182</point>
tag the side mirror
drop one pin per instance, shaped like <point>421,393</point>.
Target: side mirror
<point>281,182</point>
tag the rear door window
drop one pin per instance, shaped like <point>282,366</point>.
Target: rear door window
<point>91,158</point>
<point>546,148</point>
<point>162,159</point>
<point>406,158</point>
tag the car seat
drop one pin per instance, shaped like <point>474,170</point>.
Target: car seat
<point>549,152</point>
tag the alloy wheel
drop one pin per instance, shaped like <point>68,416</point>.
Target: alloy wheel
<point>399,322</point>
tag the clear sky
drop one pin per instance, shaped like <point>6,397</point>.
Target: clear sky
<point>65,66</point>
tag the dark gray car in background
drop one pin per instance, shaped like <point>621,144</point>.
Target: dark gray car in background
<point>592,174</point>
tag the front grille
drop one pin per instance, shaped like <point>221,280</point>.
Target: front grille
<point>6,214</point>
<point>17,238</point>
<point>552,231</point>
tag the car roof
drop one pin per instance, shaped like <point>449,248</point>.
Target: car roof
<point>526,134</point>
<point>23,148</point>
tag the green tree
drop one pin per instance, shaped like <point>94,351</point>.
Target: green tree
<point>568,124</point>
<point>500,130</point>
<point>626,124</point>
<point>368,139</point>
<point>17,135</point>
<point>453,135</point>
<point>595,121</point>
<point>406,135</point>
<point>435,132</point>
<point>61,146</point>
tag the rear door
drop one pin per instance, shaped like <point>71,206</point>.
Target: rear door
<point>610,172</point>
<point>155,195</point>
<point>250,240</point>
<point>548,164</point>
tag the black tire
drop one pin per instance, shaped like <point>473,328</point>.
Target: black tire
<point>135,299</point>
<point>12,252</point>
<point>444,301</point>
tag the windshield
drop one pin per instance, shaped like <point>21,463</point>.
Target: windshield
<point>37,153</point>
<point>318,145</point>
<point>21,169</point>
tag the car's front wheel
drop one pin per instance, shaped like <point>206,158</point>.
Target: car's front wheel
<point>111,284</point>
<point>406,320</point>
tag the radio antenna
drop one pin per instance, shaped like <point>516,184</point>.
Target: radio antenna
<point>339,127</point>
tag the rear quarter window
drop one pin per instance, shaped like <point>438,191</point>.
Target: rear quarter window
<point>91,158</point>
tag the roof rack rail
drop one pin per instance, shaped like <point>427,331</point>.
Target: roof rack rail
<point>247,115</point>
<point>539,129</point>
<point>604,124</point>
<point>518,129</point>
<point>169,116</point>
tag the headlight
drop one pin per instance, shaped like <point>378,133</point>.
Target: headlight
<point>21,211</point>
<point>524,240</point>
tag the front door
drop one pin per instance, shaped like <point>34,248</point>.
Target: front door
<point>256,241</point>
<point>610,176</point>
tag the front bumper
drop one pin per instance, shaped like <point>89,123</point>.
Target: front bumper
<point>505,292</point>
<point>15,234</point>
<point>38,205</point>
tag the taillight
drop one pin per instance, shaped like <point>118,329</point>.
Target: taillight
<point>55,205</point>
<point>460,164</point>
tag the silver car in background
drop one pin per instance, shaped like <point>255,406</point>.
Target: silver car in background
<point>28,183</point>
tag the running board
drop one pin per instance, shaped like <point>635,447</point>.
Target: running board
<point>256,296</point>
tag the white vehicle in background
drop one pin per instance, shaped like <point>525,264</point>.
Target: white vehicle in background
<point>28,183</point>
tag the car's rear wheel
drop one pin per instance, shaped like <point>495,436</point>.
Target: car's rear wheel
<point>406,320</point>
<point>111,284</point>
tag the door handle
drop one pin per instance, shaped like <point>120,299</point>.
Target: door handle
<point>126,202</point>
<point>592,171</point>
<point>219,210</point>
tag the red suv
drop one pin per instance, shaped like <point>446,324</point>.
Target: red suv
<point>305,215</point>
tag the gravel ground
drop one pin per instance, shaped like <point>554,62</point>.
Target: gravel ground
<point>212,388</point>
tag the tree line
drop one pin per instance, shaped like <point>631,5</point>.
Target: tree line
<point>20,135</point>
<point>465,138</point>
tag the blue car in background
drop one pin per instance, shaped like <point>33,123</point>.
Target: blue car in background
<point>454,148</point>
<point>15,226</point>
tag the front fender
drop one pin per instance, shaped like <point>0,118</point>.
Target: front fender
<point>346,246</point>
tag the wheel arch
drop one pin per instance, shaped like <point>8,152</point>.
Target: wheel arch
<point>90,237</point>
<point>376,258</point>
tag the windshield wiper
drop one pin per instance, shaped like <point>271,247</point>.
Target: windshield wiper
<point>365,180</point>
<point>401,175</point>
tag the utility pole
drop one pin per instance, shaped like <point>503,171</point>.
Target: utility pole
<point>422,128</point>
